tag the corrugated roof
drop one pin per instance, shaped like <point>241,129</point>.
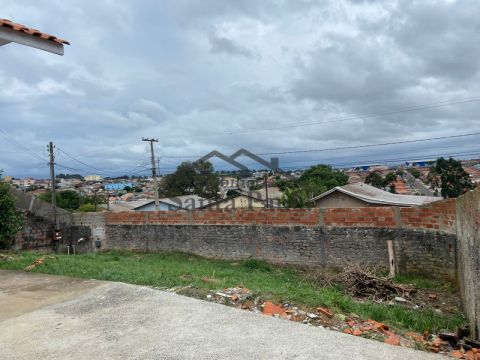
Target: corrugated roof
<point>34,32</point>
<point>374,195</point>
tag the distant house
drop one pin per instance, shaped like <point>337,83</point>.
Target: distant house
<point>118,186</point>
<point>363,195</point>
<point>93,178</point>
<point>249,200</point>
<point>185,202</point>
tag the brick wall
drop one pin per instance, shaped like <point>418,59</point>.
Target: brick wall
<point>424,239</point>
<point>439,216</point>
<point>37,233</point>
<point>307,217</point>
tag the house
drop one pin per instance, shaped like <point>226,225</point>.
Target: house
<point>363,195</point>
<point>184,202</point>
<point>118,186</point>
<point>93,178</point>
<point>11,32</point>
<point>249,200</point>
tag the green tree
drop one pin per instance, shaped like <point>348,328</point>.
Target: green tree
<point>390,177</point>
<point>87,208</point>
<point>283,184</point>
<point>376,179</point>
<point>453,178</point>
<point>321,178</point>
<point>294,198</point>
<point>415,172</point>
<point>67,199</point>
<point>232,192</point>
<point>10,220</point>
<point>192,178</point>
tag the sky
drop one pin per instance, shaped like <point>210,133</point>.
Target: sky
<point>268,76</point>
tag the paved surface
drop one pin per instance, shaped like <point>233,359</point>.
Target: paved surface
<point>64,318</point>
<point>417,184</point>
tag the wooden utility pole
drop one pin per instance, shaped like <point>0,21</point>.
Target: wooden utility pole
<point>154,171</point>
<point>52,180</point>
<point>266,191</point>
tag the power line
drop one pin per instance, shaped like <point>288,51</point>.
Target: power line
<point>341,148</point>
<point>19,145</point>
<point>83,163</point>
<point>360,116</point>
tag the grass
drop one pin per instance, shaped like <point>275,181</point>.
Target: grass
<point>279,284</point>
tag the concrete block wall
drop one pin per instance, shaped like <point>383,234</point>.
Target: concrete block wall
<point>424,238</point>
<point>468,256</point>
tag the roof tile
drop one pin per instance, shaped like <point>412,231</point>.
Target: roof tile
<point>34,32</point>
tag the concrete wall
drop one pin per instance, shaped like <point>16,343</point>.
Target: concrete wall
<point>424,238</point>
<point>417,251</point>
<point>468,253</point>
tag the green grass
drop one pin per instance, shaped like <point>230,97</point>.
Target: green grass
<point>279,284</point>
<point>424,282</point>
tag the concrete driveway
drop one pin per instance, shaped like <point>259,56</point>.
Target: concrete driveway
<point>54,317</point>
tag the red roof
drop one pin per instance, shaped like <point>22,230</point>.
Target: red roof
<point>22,28</point>
<point>401,187</point>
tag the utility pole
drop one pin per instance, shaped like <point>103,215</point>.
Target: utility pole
<point>154,171</point>
<point>52,179</point>
<point>266,191</point>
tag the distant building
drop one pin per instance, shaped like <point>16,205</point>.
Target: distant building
<point>363,195</point>
<point>249,200</point>
<point>185,202</point>
<point>92,178</point>
<point>68,183</point>
<point>118,186</point>
<point>24,183</point>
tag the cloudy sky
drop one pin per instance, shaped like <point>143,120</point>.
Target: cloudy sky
<point>269,76</point>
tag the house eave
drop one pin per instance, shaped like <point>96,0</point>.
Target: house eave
<point>9,35</point>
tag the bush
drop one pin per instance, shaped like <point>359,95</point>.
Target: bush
<point>86,208</point>
<point>10,220</point>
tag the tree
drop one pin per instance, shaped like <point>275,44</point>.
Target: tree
<point>294,198</point>
<point>232,192</point>
<point>453,178</point>
<point>376,179</point>
<point>390,177</point>
<point>68,199</point>
<point>87,208</point>
<point>415,172</point>
<point>192,178</point>
<point>321,178</point>
<point>10,220</point>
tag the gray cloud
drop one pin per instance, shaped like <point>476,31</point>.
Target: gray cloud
<point>223,45</point>
<point>203,75</point>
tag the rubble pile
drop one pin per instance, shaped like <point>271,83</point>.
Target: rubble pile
<point>360,283</point>
<point>443,343</point>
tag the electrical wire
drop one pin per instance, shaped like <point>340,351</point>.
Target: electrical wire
<point>340,148</point>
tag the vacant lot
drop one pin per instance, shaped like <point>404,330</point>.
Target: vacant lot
<point>196,276</point>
